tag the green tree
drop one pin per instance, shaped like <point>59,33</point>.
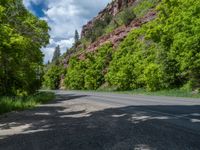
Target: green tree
<point>56,54</point>
<point>88,73</point>
<point>52,77</point>
<point>96,67</point>
<point>76,39</point>
<point>22,35</point>
<point>74,78</point>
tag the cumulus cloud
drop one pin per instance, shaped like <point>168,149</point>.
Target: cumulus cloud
<point>64,17</point>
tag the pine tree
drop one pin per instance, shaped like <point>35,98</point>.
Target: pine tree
<point>76,38</point>
<point>56,54</point>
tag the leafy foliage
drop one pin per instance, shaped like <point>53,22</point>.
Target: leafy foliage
<point>162,54</point>
<point>52,77</point>
<point>21,35</point>
<point>75,74</point>
<point>88,73</point>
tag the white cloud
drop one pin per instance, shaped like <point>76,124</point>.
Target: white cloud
<point>48,53</point>
<point>64,17</point>
<point>64,44</point>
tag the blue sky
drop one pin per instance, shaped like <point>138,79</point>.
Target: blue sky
<point>64,17</point>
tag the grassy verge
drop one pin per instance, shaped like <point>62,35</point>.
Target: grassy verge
<point>8,104</point>
<point>169,92</point>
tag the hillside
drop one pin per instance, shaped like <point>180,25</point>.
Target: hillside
<point>150,44</point>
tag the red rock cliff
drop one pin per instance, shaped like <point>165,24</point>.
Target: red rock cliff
<point>112,9</point>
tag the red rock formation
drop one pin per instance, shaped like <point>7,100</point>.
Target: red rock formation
<point>115,37</point>
<point>113,8</point>
<point>120,33</point>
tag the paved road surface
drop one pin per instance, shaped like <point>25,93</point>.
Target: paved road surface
<point>104,121</point>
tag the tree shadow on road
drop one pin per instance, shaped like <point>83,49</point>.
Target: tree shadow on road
<point>51,127</point>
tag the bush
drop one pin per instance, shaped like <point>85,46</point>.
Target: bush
<point>74,78</point>
<point>88,73</point>
<point>127,16</point>
<point>52,77</point>
<point>96,68</point>
<point>153,77</point>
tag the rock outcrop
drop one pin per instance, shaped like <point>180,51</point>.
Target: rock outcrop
<point>112,9</point>
<point>118,34</point>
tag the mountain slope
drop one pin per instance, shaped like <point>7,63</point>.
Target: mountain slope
<point>160,49</point>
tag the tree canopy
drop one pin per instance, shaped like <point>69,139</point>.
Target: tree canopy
<point>22,35</point>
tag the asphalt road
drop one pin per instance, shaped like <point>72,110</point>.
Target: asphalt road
<point>104,121</point>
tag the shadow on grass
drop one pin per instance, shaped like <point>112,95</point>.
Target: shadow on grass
<point>50,127</point>
<point>9,104</point>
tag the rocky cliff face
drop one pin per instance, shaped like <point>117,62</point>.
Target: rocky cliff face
<point>119,34</point>
<point>112,9</point>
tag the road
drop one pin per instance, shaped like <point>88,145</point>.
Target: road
<point>104,121</point>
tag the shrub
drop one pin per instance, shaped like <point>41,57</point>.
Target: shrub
<point>97,64</point>
<point>153,77</point>
<point>127,16</point>
<point>52,77</point>
<point>74,78</point>
<point>88,73</point>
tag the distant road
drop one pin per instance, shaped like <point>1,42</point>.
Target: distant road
<point>104,121</point>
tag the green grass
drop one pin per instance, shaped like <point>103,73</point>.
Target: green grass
<point>169,92</point>
<point>8,104</point>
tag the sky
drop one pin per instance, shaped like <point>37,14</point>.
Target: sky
<point>64,17</point>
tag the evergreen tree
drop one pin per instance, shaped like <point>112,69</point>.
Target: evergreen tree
<point>56,54</point>
<point>76,38</point>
